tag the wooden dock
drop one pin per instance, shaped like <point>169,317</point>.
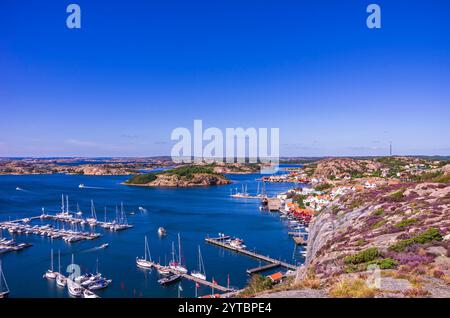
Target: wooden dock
<point>262,268</point>
<point>200,281</point>
<point>207,283</point>
<point>297,233</point>
<point>219,242</point>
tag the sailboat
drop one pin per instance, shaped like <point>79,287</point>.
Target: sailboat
<point>177,265</point>
<point>4,289</point>
<point>65,214</point>
<point>145,262</point>
<point>201,267</point>
<point>93,218</point>
<point>61,281</point>
<point>163,270</point>
<point>50,273</point>
<point>74,289</point>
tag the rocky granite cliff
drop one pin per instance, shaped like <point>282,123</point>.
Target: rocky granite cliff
<point>387,236</point>
<point>403,229</point>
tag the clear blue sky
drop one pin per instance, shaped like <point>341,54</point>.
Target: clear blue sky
<point>138,69</point>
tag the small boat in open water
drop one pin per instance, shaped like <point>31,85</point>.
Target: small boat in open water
<point>162,231</point>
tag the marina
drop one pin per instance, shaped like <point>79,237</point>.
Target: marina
<point>11,246</point>
<point>210,210</point>
<point>69,236</point>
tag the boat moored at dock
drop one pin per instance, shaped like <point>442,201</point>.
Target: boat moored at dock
<point>50,273</point>
<point>145,262</point>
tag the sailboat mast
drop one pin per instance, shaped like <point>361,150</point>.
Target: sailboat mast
<point>67,203</point>
<point>199,260</point>
<point>179,249</point>
<point>173,252</point>
<point>62,203</point>
<point>145,248</point>
<point>51,257</point>
<point>59,261</point>
<point>3,279</point>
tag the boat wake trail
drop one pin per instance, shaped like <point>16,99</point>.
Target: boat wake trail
<point>87,187</point>
<point>94,249</point>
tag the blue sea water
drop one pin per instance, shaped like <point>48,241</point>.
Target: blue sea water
<point>192,212</point>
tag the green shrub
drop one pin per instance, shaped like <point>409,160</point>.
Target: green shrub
<point>323,187</point>
<point>364,256</point>
<point>298,198</point>
<point>257,284</point>
<point>385,263</point>
<point>429,235</point>
<point>379,224</point>
<point>378,212</point>
<point>405,223</point>
<point>361,242</point>
<point>397,195</point>
<point>142,178</point>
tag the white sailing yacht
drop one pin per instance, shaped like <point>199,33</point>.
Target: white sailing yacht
<point>177,265</point>
<point>50,273</point>
<point>73,288</point>
<point>145,262</point>
<point>64,208</point>
<point>61,281</point>
<point>4,289</point>
<point>93,219</point>
<point>201,267</point>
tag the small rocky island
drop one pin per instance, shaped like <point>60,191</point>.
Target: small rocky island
<point>186,176</point>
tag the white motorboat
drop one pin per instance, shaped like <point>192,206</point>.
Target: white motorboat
<point>99,284</point>
<point>88,294</point>
<point>81,185</point>
<point>237,243</point>
<point>162,231</point>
